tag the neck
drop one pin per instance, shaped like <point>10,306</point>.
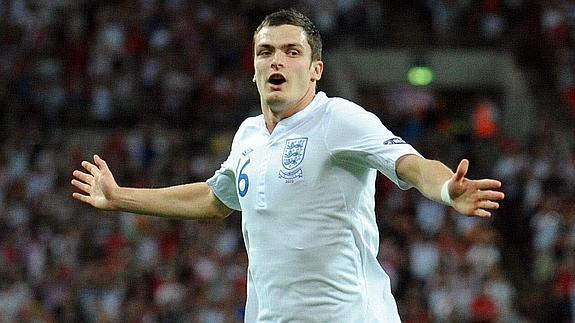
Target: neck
<point>272,118</point>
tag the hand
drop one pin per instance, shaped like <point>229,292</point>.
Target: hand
<point>473,197</point>
<point>98,186</point>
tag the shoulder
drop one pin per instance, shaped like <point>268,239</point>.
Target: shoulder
<point>250,125</point>
<point>342,106</point>
<point>248,128</point>
<point>340,113</point>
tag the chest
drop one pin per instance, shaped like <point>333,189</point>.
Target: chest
<point>279,171</point>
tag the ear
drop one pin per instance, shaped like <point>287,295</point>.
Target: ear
<point>317,70</point>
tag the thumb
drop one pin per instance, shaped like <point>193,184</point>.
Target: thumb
<point>461,170</point>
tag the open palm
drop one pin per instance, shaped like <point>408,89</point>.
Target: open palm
<point>474,197</point>
<point>97,186</point>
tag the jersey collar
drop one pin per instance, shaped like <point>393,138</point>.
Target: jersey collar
<point>299,117</point>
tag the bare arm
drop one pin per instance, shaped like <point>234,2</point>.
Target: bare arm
<point>189,201</point>
<point>469,197</point>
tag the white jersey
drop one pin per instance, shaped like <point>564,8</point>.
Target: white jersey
<point>306,193</point>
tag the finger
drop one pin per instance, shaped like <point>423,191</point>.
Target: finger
<point>461,170</point>
<point>488,205</point>
<point>93,169</point>
<point>100,162</point>
<point>86,178</point>
<point>490,195</point>
<point>82,198</point>
<point>82,186</point>
<point>484,184</point>
<point>482,213</point>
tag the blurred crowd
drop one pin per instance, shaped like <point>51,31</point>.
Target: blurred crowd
<point>157,88</point>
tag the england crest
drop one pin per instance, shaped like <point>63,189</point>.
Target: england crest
<point>294,152</point>
<point>293,155</point>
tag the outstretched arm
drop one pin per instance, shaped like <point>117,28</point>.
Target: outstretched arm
<point>189,201</point>
<point>469,197</point>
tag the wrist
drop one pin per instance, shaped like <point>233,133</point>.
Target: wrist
<point>116,198</point>
<point>445,198</point>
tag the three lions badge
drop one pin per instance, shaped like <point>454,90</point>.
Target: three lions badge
<point>293,155</point>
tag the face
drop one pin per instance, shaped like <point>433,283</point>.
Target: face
<point>284,72</point>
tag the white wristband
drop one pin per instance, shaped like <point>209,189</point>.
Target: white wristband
<point>445,198</point>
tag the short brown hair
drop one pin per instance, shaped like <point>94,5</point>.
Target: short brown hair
<point>295,18</point>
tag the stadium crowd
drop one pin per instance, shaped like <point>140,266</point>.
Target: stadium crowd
<point>158,87</point>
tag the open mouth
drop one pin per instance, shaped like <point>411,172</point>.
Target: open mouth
<point>276,79</point>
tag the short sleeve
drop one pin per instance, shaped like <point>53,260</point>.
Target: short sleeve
<point>357,136</point>
<point>223,185</point>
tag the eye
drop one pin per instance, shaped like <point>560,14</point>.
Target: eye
<point>293,52</point>
<point>264,53</point>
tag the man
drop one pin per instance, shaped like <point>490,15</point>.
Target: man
<point>303,175</point>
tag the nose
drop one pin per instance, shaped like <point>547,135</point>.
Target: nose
<point>277,60</point>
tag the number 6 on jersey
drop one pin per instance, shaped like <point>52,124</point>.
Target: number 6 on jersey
<point>243,180</point>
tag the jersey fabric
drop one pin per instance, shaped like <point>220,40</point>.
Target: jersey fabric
<point>306,192</point>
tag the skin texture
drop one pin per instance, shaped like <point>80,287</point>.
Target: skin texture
<point>284,50</point>
<point>189,201</point>
<point>469,197</point>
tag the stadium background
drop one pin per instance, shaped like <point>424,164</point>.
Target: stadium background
<point>158,87</point>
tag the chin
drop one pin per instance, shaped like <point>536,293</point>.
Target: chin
<point>277,106</point>
<point>274,98</point>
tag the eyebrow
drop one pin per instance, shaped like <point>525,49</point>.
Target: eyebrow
<point>284,46</point>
